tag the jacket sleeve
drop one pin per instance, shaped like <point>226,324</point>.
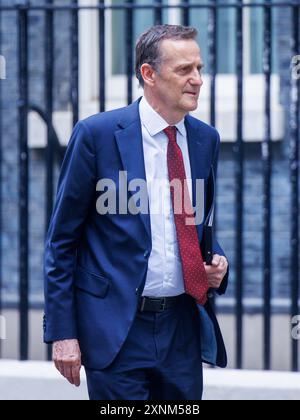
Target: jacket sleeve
<point>75,192</point>
<point>216,246</point>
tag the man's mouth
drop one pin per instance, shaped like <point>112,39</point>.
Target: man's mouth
<point>191,93</point>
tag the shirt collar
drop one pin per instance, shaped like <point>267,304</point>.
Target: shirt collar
<point>153,122</point>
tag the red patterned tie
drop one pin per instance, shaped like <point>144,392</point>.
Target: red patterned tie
<point>194,274</point>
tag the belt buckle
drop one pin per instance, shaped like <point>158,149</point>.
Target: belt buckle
<point>163,305</point>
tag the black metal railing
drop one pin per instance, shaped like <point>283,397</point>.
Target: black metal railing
<point>294,165</point>
<point>53,149</point>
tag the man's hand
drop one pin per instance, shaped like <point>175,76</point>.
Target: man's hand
<point>67,360</point>
<point>216,272</point>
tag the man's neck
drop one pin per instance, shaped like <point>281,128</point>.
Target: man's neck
<point>171,118</point>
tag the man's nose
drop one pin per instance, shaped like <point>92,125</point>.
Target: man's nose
<point>197,79</point>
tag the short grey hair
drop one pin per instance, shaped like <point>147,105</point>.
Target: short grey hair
<point>147,49</point>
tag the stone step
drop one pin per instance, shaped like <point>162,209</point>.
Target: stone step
<point>41,381</point>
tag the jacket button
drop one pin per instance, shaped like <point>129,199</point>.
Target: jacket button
<point>146,254</point>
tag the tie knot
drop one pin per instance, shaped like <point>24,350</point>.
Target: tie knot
<point>171,132</point>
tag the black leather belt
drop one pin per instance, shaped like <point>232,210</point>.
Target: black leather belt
<point>153,304</point>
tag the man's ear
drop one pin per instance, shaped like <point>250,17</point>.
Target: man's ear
<point>148,74</point>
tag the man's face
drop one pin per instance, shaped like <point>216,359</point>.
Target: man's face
<point>178,82</point>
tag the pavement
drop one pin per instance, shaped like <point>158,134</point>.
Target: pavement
<point>40,381</point>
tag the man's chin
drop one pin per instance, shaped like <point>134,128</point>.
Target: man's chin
<point>191,105</point>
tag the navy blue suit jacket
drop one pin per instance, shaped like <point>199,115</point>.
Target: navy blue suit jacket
<point>96,265</point>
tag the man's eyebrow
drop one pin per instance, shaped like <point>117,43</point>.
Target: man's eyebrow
<point>180,66</point>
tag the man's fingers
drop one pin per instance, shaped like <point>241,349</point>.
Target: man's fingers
<point>68,372</point>
<point>56,359</point>
<point>56,364</point>
<point>71,371</point>
<point>219,261</point>
<point>216,260</point>
<point>223,262</point>
<point>76,374</point>
<point>60,367</point>
<point>213,270</point>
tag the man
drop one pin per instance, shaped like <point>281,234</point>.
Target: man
<point>126,292</point>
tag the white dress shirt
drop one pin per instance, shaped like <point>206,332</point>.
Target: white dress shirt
<point>164,276</point>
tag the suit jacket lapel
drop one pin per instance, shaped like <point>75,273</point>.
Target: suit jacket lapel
<point>130,144</point>
<point>197,154</point>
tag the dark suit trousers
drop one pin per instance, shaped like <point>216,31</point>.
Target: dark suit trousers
<point>160,359</point>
